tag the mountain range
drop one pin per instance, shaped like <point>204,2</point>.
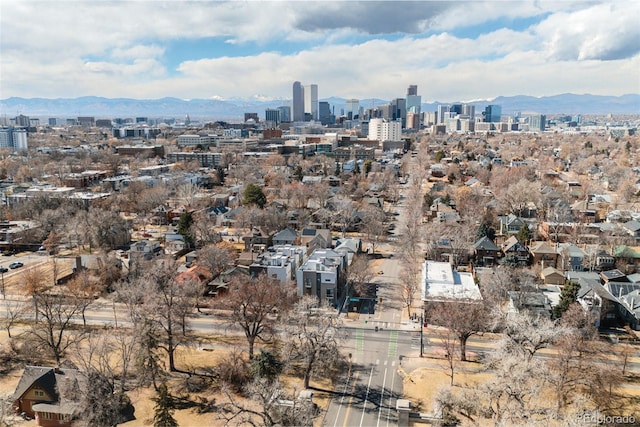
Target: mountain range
<point>234,109</point>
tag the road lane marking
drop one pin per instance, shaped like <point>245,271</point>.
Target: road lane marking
<point>393,380</point>
<point>344,392</point>
<point>377,361</point>
<point>346,414</point>
<point>360,340</point>
<point>384,381</point>
<point>366,396</point>
<point>393,344</point>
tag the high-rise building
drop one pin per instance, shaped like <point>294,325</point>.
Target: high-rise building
<point>469,110</point>
<point>324,113</point>
<point>272,115</point>
<point>298,102</point>
<point>537,122</point>
<point>311,101</point>
<point>285,113</point>
<point>413,100</point>
<point>492,114</point>
<point>443,113</point>
<point>456,109</point>
<point>11,137</point>
<point>399,110</point>
<point>352,108</point>
<point>385,130</point>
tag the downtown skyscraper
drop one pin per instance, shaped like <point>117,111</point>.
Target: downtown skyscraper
<point>297,107</point>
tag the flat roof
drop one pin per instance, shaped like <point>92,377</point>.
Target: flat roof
<point>441,282</point>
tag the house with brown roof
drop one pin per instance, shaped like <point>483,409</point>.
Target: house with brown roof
<point>543,254</point>
<point>37,395</point>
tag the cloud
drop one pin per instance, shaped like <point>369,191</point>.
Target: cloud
<point>351,49</point>
<point>608,31</point>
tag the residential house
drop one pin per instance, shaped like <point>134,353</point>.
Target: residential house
<point>535,303</point>
<point>543,254</point>
<point>257,240</point>
<point>323,275</point>
<point>571,257</point>
<point>145,249</point>
<point>486,252</point>
<point>174,243</point>
<point>314,238</point>
<point>595,298</point>
<point>285,237</point>
<point>279,262</point>
<point>627,258</point>
<point>510,224</point>
<point>196,274</point>
<point>516,250</point>
<point>552,276</point>
<point>633,228</point>
<point>38,395</point>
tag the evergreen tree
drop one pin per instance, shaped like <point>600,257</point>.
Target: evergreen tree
<point>164,408</point>
<point>485,230</point>
<point>568,296</point>
<point>298,173</point>
<point>367,167</point>
<point>524,234</point>
<point>337,171</point>
<point>266,365</point>
<point>220,173</point>
<point>184,228</point>
<point>253,195</point>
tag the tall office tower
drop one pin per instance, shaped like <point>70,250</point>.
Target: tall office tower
<point>53,121</point>
<point>399,110</point>
<point>492,114</point>
<point>311,101</point>
<point>385,130</point>
<point>456,109</point>
<point>352,108</point>
<point>324,113</point>
<point>443,113</point>
<point>285,113</point>
<point>413,100</point>
<point>413,121</point>
<point>298,102</point>
<point>469,110</point>
<point>272,115</point>
<point>537,123</point>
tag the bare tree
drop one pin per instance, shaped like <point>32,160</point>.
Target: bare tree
<point>527,334</point>
<point>13,313</point>
<point>359,273</point>
<point>53,330</point>
<point>271,405</point>
<point>255,304</point>
<point>374,226</point>
<point>410,278</point>
<point>463,318</point>
<point>84,289</point>
<point>311,336</point>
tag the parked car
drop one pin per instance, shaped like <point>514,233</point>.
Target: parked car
<point>3,269</point>
<point>15,265</point>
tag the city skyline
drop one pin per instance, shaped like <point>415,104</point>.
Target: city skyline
<point>223,50</point>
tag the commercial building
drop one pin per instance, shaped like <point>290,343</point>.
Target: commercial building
<point>311,101</point>
<point>298,102</point>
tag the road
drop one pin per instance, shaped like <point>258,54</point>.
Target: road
<point>366,395</point>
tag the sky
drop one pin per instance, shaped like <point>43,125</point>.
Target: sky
<point>453,50</point>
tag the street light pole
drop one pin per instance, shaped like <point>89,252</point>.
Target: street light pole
<point>421,333</point>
